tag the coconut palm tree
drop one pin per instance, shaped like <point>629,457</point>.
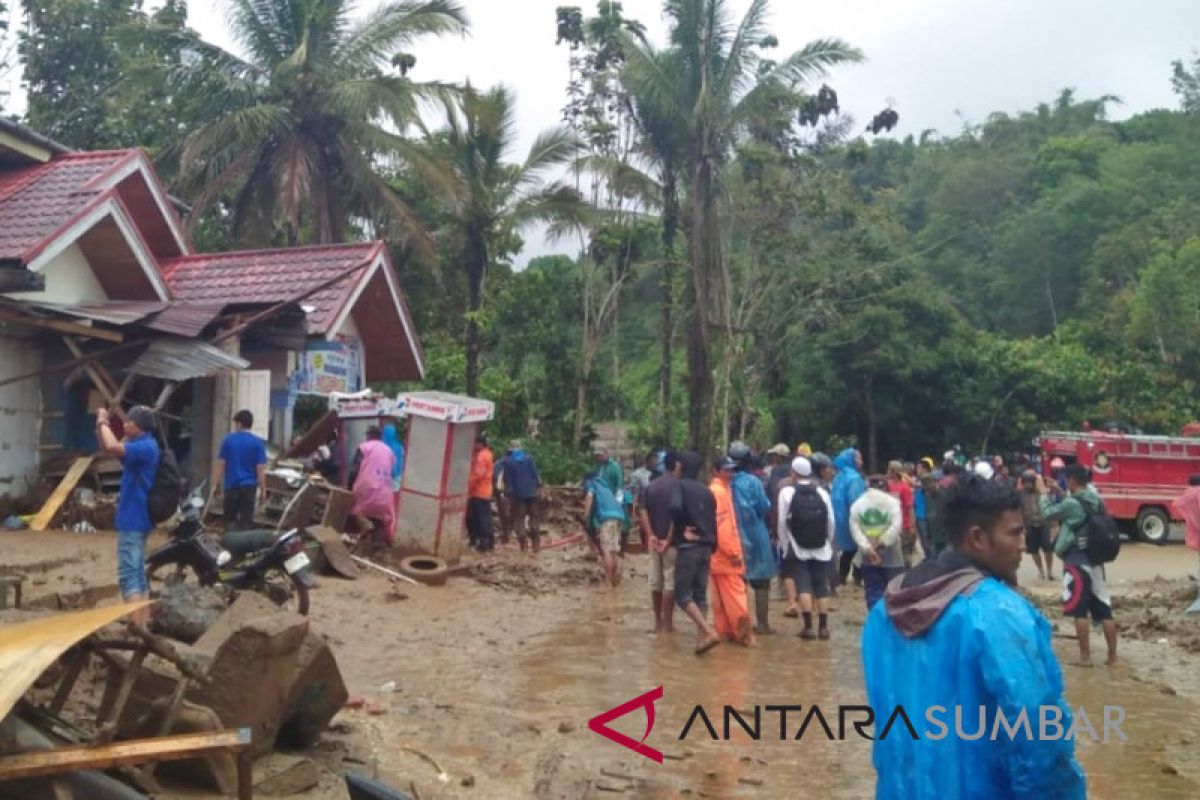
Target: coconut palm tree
<point>710,82</point>
<point>491,198</point>
<point>295,133</point>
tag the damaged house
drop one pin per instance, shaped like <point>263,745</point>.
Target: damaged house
<point>104,300</point>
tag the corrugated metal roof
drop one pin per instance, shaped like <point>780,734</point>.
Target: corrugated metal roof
<point>181,360</point>
<point>179,319</point>
<point>119,313</point>
<point>185,319</point>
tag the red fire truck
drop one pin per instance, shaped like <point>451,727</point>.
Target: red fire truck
<point>1137,475</point>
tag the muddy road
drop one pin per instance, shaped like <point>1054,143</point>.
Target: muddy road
<point>496,676</point>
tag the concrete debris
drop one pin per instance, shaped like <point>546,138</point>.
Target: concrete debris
<point>281,775</point>
<point>269,673</point>
<point>186,610</point>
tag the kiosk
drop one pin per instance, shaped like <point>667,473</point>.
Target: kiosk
<point>433,493</point>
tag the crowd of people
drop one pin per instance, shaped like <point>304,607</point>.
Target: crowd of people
<point>797,519</point>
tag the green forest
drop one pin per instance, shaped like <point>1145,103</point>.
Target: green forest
<point>751,261</point>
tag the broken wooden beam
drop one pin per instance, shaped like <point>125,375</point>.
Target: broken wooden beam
<point>67,485</point>
<point>64,760</point>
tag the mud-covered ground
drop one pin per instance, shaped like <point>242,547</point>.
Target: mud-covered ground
<point>497,673</point>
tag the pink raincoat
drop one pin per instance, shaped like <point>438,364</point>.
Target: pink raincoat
<point>1187,507</point>
<point>373,496</point>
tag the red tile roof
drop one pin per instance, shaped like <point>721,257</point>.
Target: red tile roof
<point>273,276</point>
<point>37,201</point>
<point>260,277</point>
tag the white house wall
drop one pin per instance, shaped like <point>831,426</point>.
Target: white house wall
<point>20,416</point>
<point>69,280</point>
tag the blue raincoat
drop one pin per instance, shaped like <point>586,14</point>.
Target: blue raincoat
<point>751,505</point>
<point>991,649</point>
<point>393,442</point>
<point>848,486</point>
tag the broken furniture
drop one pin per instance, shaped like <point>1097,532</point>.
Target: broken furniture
<point>330,506</point>
<point>433,493</point>
<point>29,649</point>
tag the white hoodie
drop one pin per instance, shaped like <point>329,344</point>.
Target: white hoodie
<point>888,543</point>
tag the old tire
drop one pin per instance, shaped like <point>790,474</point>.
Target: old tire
<point>429,570</point>
<point>1153,525</point>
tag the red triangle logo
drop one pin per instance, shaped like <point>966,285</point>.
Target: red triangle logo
<point>599,724</point>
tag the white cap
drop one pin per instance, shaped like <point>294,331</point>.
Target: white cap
<point>802,466</point>
<point>984,470</point>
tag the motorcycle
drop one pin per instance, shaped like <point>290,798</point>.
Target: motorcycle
<point>256,560</point>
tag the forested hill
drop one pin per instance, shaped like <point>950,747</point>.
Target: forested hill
<point>1036,270</point>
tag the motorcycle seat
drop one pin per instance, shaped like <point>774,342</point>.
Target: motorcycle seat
<point>243,543</point>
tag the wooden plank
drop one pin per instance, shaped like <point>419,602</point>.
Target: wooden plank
<point>67,485</point>
<point>121,754</point>
<point>62,326</point>
<point>101,379</point>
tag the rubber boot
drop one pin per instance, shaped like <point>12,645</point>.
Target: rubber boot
<point>762,601</point>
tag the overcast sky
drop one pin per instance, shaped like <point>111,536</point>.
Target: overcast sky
<point>937,61</point>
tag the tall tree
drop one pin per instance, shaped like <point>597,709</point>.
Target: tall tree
<point>1185,80</point>
<point>297,130</point>
<point>712,85</point>
<point>489,197</point>
<point>72,66</point>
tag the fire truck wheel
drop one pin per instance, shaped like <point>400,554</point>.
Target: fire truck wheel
<point>429,570</point>
<point>1153,525</point>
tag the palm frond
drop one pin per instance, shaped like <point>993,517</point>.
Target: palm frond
<point>375,97</point>
<point>237,130</point>
<point>395,25</point>
<point>376,194</point>
<point>217,184</point>
<point>648,76</point>
<point>265,28</point>
<point>427,163</point>
<point>552,148</point>
<point>294,168</point>
<point>737,71</point>
<point>624,178</point>
<point>814,60</point>
<point>558,204</point>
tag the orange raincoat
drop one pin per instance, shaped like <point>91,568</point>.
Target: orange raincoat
<point>731,611</point>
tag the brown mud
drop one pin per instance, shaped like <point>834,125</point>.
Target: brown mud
<point>497,673</point>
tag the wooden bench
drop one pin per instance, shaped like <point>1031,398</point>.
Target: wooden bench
<point>79,758</point>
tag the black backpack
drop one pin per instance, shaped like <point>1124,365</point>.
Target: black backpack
<point>808,517</point>
<point>162,499</point>
<point>1099,536</point>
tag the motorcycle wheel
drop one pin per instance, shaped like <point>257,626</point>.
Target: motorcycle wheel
<point>285,591</point>
<point>166,571</point>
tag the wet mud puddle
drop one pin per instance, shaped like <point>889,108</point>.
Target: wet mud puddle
<point>608,656</point>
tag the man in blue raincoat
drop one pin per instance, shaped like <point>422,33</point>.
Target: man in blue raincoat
<point>848,486</point>
<point>952,641</point>
<point>751,505</point>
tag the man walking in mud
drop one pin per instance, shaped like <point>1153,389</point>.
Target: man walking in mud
<point>953,633</point>
<point>1085,590</point>
<point>654,516</point>
<point>522,490</point>
<point>694,536</point>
